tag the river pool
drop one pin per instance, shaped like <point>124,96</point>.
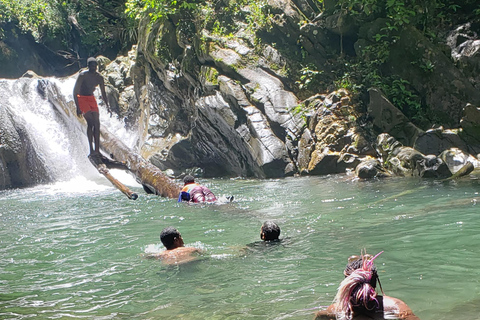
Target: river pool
<point>75,249</point>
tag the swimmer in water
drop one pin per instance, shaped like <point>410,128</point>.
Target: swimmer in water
<point>269,231</point>
<point>357,297</point>
<point>194,192</point>
<point>176,252</point>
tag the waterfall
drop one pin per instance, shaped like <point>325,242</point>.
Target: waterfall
<point>45,112</point>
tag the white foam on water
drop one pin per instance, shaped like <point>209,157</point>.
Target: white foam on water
<point>57,136</point>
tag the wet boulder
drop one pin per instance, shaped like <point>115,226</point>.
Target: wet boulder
<point>433,167</point>
<point>370,168</point>
<point>20,164</point>
<point>337,141</point>
<point>455,159</point>
<point>435,141</point>
<point>406,161</point>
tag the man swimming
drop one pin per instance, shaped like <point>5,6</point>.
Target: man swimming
<point>194,192</point>
<point>176,252</point>
<point>357,298</point>
<point>86,104</point>
<point>270,231</point>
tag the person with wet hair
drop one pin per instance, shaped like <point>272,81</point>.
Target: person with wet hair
<point>269,231</point>
<point>357,298</point>
<point>194,192</point>
<point>86,104</point>
<point>176,252</point>
<point>171,238</point>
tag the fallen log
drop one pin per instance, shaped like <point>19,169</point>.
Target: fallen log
<point>101,165</point>
<point>149,176</point>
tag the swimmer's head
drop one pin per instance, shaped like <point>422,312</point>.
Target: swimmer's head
<point>357,262</point>
<point>171,238</point>
<point>188,179</point>
<point>357,290</point>
<point>269,231</point>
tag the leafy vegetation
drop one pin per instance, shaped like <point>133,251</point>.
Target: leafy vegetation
<point>219,17</point>
<point>365,70</point>
<point>90,26</point>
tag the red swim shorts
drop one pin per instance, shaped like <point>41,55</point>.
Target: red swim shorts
<point>87,103</point>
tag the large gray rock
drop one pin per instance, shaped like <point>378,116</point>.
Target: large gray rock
<point>20,164</point>
<point>443,85</point>
<point>216,109</point>
<point>388,119</point>
<point>455,159</point>
<point>464,43</point>
<point>433,167</point>
<point>435,141</point>
<point>337,140</point>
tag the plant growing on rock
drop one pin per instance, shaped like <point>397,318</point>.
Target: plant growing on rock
<point>391,17</point>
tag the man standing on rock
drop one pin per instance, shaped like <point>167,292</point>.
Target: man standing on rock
<point>86,104</point>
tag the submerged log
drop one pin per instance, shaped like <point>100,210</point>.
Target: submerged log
<point>150,176</point>
<point>101,163</point>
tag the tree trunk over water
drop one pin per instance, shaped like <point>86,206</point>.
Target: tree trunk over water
<point>102,163</point>
<point>150,176</point>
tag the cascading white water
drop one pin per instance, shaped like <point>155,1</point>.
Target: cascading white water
<point>58,136</point>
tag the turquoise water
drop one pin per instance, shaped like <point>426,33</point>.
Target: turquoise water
<point>75,249</point>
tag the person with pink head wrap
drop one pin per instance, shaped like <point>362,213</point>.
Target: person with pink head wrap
<point>357,297</point>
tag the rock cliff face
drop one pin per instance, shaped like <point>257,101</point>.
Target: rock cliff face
<point>215,108</point>
<point>20,164</point>
<point>225,104</point>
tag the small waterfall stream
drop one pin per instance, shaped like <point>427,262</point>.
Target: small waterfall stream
<point>44,111</point>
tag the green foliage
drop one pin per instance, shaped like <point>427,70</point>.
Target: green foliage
<point>258,17</point>
<point>365,70</point>
<point>309,77</point>
<point>302,110</point>
<point>28,14</point>
<point>218,17</point>
<point>99,24</point>
<point>156,9</point>
<point>422,14</point>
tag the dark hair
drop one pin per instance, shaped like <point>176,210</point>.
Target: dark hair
<point>270,230</point>
<point>188,179</point>
<point>356,292</point>
<point>357,264</point>
<point>90,60</point>
<point>168,236</point>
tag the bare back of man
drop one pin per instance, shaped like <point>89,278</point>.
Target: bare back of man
<point>176,256</point>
